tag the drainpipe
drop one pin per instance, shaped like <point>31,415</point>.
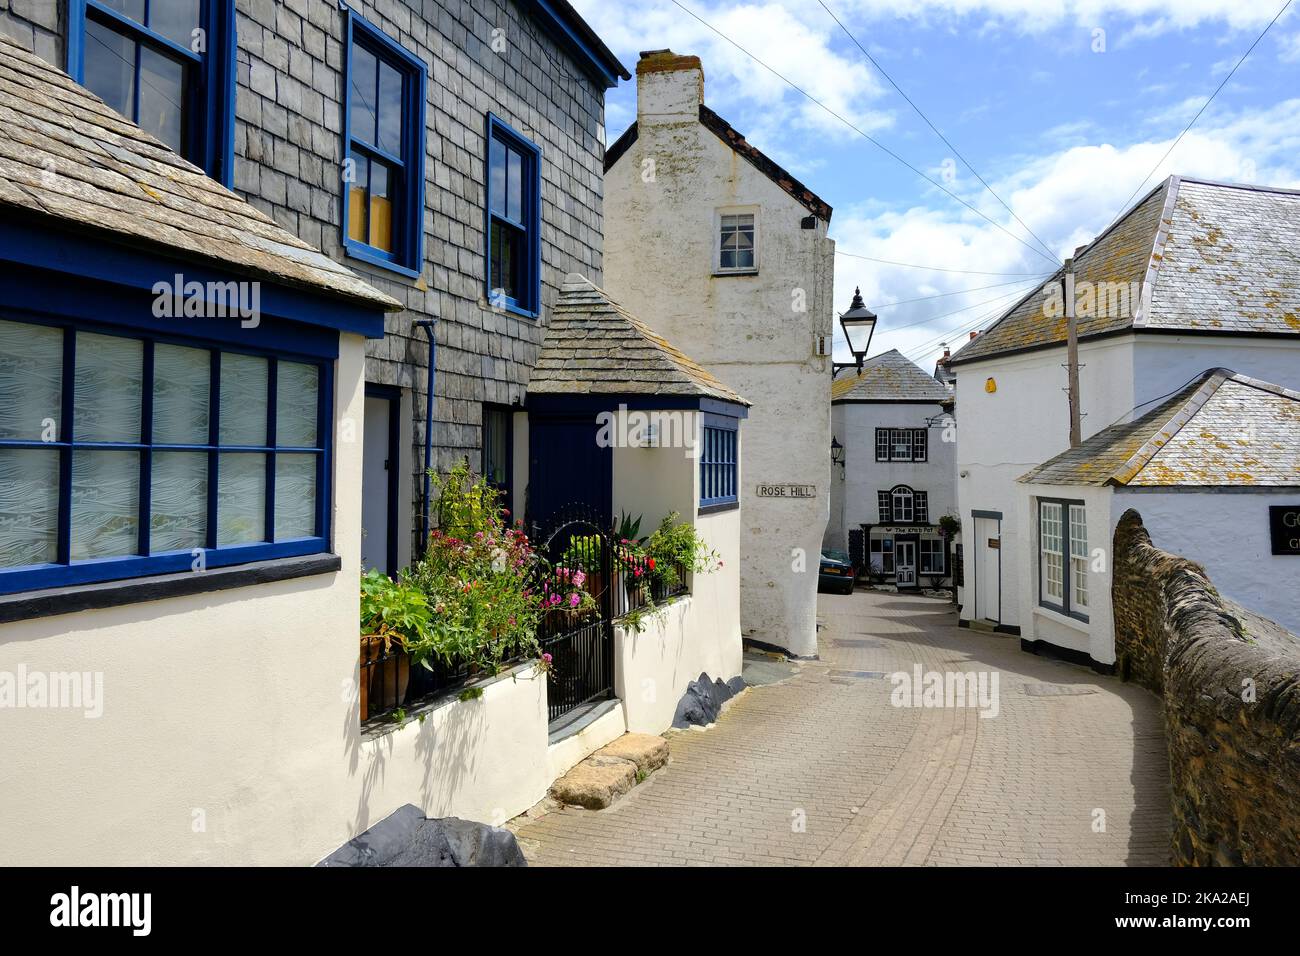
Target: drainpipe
<point>427,325</point>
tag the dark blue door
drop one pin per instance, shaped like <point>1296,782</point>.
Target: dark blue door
<point>566,466</point>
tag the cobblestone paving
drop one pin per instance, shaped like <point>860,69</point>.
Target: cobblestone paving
<point>822,769</point>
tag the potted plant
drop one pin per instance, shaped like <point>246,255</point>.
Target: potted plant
<point>393,616</point>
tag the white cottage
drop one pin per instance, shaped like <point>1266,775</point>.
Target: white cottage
<point>1196,275</point>
<point>1215,474</point>
<point>729,253</point>
<point>898,480</point>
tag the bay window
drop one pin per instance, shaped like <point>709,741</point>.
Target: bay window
<point>124,455</point>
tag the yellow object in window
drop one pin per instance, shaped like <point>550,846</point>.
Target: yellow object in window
<point>381,223</point>
<point>357,213</point>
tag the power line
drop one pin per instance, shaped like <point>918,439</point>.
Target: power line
<point>1203,108</point>
<point>945,295</point>
<point>966,326</point>
<point>1024,287</point>
<point>872,140</point>
<point>946,141</point>
<point>913,265</point>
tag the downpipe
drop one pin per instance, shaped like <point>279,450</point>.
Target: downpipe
<point>430,380</point>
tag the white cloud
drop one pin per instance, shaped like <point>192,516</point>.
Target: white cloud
<point>1066,196</point>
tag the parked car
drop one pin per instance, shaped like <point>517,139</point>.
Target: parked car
<point>837,572</point>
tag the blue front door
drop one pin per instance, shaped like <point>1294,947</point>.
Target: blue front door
<point>567,466</point>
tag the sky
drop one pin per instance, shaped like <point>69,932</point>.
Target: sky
<point>1061,106</point>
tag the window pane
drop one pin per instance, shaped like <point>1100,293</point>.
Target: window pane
<point>29,506</point>
<point>134,9</point>
<point>109,388</point>
<point>162,93</point>
<point>390,110</point>
<point>295,496</point>
<point>507,259</point>
<point>381,206</point>
<point>181,383</point>
<point>105,504</point>
<point>31,380</point>
<point>358,224</point>
<point>175,19</point>
<point>110,67</point>
<point>515,187</point>
<point>497,172</point>
<point>496,453</point>
<point>737,242</point>
<point>178,517</point>
<point>241,499</point>
<point>298,388</point>
<point>361,108</point>
<point>244,382</point>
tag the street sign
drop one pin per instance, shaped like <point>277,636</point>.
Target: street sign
<point>1284,527</point>
<point>787,491</point>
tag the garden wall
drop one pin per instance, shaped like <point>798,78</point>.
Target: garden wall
<point>1232,705</point>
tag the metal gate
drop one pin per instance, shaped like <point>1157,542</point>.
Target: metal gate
<point>577,553</point>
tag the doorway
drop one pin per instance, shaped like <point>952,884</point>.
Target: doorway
<point>905,563</point>
<point>381,468</point>
<point>987,565</point>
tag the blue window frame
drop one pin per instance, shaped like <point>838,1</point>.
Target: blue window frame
<point>125,453</point>
<point>513,224</point>
<point>383,138</point>
<point>718,484</point>
<point>166,65</point>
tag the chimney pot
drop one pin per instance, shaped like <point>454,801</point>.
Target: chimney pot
<point>973,334</point>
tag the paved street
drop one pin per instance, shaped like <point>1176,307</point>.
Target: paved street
<point>821,769</point>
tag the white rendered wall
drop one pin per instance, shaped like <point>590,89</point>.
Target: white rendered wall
<point>661,200</point>
<point>1228,534</point>
<point>1023,424</point>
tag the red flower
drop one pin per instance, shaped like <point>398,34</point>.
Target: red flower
<point>651,562</point>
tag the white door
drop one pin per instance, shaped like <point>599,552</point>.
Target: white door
<point>988,569</point>
<point>905,563</point>
<point>375,506</point>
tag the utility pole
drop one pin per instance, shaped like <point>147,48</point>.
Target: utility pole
<point>1072,354</point>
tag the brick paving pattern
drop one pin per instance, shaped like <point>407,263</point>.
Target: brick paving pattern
<point>823,770</point>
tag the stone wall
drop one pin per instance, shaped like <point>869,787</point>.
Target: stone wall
<point>1231,685</point>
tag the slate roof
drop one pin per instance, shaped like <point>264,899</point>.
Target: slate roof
<point>593,346</point>
<point>1223,429</point>
<point>1217,257</point>
<point>889,377</point>
<point>67,159</point>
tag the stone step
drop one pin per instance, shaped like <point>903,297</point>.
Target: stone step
<point>612,771</point>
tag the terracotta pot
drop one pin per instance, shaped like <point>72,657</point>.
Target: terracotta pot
<point>380,678</point>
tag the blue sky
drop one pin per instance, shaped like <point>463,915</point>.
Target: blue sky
<point>1062,120</point>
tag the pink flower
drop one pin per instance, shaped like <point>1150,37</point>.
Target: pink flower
<point>574,600</point>
<point>579,579</point>
<point>547,658</point>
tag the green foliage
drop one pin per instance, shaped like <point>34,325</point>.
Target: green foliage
<point>470,693</point>
<point>475,576</point>
<point>675,543</point>
<point>393,611</point>
<point>628,529</point>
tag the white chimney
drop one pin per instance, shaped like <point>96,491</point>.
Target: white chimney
<point>669,88</point>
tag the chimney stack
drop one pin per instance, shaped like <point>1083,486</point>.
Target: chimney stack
<point>669,88</point>
<point>974,334</point>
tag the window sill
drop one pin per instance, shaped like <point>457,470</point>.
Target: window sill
<point>89,597</point>
<point>511,309</point>
<point>1060,617</point>
<point>370,256</point>
<point>723,273</point>
<point>718,508</point>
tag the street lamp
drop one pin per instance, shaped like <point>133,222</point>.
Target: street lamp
<point>858,324</point>
<point>837,451</point>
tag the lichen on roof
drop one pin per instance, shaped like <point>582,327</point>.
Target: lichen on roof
<point>68,159</point>
<point>593,346</point>
<point>1203,256</point>
<point>1220,430</point>
<point>889,377</point>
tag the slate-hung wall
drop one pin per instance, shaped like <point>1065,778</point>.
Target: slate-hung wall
<point>288,150</point>
<point>488,56</point>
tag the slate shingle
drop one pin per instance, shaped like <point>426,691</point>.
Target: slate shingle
<point>889,377</point>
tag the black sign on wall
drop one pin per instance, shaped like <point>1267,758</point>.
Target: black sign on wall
<point>1284,525</point>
